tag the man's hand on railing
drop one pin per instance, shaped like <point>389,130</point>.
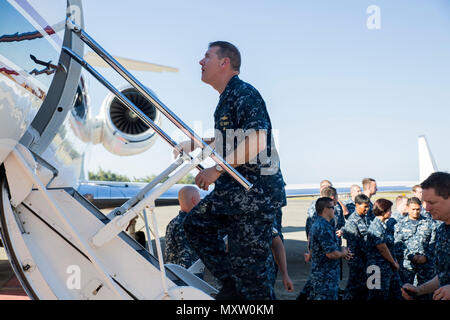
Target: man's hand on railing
<point>206,177</point>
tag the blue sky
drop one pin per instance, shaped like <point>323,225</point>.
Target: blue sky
<point>348,102</point>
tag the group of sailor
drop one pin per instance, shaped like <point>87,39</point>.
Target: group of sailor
<point>387,248</point>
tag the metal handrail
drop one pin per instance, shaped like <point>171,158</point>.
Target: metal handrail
<point>151,98</point>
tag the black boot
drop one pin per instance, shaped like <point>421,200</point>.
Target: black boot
<point>228,291</point>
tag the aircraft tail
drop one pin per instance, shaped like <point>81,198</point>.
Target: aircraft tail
<point>427,165</point>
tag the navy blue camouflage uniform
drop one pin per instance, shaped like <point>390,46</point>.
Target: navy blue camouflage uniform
<point>338,223</point>
<point>177,249</point>
<point>246,216</point>
<point>324,277</point>
<point>380,232</point>
<point>355,232</point>
<point>415,237</point>
<point>442,248</point>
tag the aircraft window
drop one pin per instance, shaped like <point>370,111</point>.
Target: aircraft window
<point>79,110</point>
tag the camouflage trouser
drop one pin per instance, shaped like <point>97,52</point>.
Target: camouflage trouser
<point>324,285</point>
<point>356,288</point>
<point>249,245</point>
<point>306,288</point>
<point>390,283</point>
<point>272,271</point>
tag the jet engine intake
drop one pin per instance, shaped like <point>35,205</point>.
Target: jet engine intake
<point>124,133</point>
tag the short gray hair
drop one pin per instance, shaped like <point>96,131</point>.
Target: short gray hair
<point>230,51</point>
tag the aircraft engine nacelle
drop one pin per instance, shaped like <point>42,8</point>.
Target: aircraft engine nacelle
<point>123,133</point>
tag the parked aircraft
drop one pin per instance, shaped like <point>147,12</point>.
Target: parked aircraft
<point>59,244</point>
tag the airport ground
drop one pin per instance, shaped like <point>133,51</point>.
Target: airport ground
<point>293,226</point>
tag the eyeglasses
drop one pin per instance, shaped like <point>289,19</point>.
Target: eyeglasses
<point>330,207</point>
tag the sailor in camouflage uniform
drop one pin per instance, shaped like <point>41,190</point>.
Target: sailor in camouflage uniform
<point>355,232</point>
<point>338,219</point>
<point>311,212</point>
<point>443,254</point>
<point>338,223</point>
<point>350,203</point>
<point>380,253</point>
<point>417,191</point>
<point>414,241</point>
<point>246,216</point>
<point>369,189</point>
<point>325,254</point>
<point>177,249</point>
<point>436,196</point>
<point>401,209</point>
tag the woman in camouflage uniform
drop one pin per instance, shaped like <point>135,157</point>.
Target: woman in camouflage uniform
<point>380,253</point>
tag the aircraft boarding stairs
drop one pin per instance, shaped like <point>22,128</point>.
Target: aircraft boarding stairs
<point>62,247</point>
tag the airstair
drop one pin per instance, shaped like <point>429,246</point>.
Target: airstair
<point>62,247</point>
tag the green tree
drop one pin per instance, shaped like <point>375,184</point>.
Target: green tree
<point>188,179</point>
<point>147,178</point>
<point>103,175</point>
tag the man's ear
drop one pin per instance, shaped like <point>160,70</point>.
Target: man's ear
<point>225,61</point>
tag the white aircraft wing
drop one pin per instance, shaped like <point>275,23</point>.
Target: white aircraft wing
<point>130,64</point>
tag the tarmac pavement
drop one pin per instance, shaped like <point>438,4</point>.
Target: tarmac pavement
<point>293,227</point>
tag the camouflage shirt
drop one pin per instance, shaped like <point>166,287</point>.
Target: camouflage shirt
<point>443,254</point>
<point>379,233</point>
<point>414,237</point>
<point>355,232</point>
<point>241,110</point>
<point>177,249</point>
